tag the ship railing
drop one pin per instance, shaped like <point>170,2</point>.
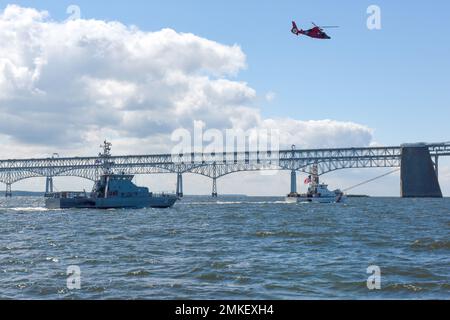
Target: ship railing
<point>67,195</point>
<point>163,194</point>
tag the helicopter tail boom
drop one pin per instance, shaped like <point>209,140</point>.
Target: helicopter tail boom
<point>295,29</point>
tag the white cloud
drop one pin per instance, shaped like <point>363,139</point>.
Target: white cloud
<point>71,84</point>
<point>320,133</point>
<point>444,174</point>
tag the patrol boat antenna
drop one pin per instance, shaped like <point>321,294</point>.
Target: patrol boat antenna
<point>105,157</point>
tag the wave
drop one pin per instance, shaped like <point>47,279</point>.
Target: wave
<point>229,202</point>
<point>138,273</point>
<point>412,287</point>
<point>288,234</point>
<point>29,209</point>
<point>210,276</point>
<point>430,244</point>
<point>236,202</point>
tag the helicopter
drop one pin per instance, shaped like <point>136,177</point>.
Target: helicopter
<point>316,32</point>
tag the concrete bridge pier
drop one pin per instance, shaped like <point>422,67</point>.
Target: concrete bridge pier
<point>179,184</point>
<point>436,165</point>
<point>419,175</point>
<point>293,181</point>
<point>8,193</point>
<point>214,188</point>
<point>49,185</point>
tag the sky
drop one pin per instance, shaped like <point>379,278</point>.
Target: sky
<point>232,64</point>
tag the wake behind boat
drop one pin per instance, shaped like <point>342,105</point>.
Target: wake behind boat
<point>317,192</point>
<point>110,191</point>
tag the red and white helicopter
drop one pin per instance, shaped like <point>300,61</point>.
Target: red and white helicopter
<point>316,32</point>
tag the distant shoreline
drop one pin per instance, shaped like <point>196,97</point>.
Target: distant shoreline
<point>41,194</point>
<point>356,196</point>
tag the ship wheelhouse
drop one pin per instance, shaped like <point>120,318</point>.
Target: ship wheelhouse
<point>118,186</point>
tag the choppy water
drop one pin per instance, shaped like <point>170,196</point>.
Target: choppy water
<point>230,248</point>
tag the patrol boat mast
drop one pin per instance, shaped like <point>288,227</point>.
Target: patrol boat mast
<point>107,164</point>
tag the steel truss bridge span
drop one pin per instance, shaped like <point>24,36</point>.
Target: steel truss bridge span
<point>214,165</point>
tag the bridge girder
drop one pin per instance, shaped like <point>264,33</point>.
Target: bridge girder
<point>16,176</point>
<point>212,165</point>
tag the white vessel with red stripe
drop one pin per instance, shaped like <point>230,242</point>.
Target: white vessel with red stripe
<point>317,192</point>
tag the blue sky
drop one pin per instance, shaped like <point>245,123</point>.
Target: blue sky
<point>394,80</point>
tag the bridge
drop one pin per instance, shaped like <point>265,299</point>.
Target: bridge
<point>419,165</point>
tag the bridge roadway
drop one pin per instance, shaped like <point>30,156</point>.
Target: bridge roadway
<point>212,165</point>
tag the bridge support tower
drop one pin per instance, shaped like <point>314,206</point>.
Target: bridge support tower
<point>293,181</point>
<point>8,193</point>
<point>179,185</point>
<point>436,165</point>
<point>214,184</point>
<point>214,188</point>
<point>49,185</point>
<point>419,175</point>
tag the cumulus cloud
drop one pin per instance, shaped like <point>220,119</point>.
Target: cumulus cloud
<point>444,175</point>
<point>319,133</point>
<point>77,82</point>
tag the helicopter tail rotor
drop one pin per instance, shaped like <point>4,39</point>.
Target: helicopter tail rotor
<point>324,27</point>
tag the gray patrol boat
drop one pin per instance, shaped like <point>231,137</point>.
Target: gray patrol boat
<point>110,191</point>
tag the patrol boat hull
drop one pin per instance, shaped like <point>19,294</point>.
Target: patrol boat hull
<point>111,203</point>
<point>320,199</point>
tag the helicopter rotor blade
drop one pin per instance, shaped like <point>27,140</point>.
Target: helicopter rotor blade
<point>329,27</point>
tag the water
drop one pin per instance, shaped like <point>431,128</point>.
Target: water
<point>230,248</point>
